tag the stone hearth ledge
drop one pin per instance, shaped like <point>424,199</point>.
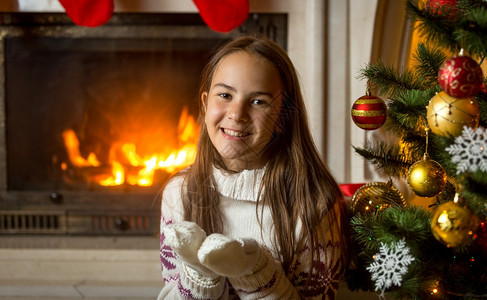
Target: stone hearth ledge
<point>80,267</point>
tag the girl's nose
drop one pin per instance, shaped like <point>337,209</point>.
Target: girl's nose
<point>238,112</point>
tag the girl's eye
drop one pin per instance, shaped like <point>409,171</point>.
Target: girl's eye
<point>259,102</point>
<point>224,95</point>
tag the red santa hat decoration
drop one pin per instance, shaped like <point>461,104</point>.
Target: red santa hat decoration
<point>89,13</point>
<point>223,15</point>
<point>219,15</point>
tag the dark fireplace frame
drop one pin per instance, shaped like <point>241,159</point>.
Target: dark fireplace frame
<point>101,212</point>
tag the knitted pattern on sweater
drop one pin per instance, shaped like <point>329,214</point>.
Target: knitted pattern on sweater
<point>239,194</point>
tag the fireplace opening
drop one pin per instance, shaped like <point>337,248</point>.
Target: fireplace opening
<point>81,116</point>
<point>97,119</point>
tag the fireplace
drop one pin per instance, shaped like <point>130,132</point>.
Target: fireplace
<point>93,121</point>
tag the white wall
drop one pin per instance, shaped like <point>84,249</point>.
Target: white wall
<point>349,47</point>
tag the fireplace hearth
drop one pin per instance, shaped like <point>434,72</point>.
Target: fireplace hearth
<point>93,121</point>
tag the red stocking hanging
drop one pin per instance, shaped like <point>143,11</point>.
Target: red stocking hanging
<point>90,13</point>
<point>223,15</point>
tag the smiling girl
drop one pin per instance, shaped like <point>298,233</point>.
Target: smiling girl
<point>258,215</point>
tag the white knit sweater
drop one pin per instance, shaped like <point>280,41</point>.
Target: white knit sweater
<point>239,193</point>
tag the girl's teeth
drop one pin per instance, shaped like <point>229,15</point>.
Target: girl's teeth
<point>235,133</point>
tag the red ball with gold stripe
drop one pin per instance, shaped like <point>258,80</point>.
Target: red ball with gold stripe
<point>369,112</point>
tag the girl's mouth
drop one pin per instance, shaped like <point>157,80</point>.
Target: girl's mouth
<point>235,133</point>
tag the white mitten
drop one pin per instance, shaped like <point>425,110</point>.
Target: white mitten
<point>185,238</point>
<point>229,257</point>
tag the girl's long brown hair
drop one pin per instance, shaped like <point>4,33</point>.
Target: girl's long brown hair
<point>297,186</point>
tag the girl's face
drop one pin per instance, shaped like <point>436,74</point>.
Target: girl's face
<point>242,107</point>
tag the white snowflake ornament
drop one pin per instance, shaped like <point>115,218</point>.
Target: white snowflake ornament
<point>389,265</point>
<point>469,151</point>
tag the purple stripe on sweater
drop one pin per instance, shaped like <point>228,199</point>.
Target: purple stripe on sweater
<point>167,255</point>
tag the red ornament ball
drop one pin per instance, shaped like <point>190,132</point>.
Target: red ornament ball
<point>443,7</point>
<point>369,112</point>
<point>460,77</point>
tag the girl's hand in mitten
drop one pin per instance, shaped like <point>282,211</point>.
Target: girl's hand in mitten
<point>185,238</point>
<point>229,257</point>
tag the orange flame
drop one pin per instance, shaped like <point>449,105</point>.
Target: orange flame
<point>71,143</point>
<point>117,178</point>
<point>127,166</point>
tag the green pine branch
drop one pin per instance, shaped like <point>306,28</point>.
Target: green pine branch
<point>472,33</point>
<point>482,101</point>
<point>453,30</point>
<point>409,108</point>
<point>475,192</point>
<point>464,6</point>
<point>428,63</point>
<point>388,158</point>
<point>434,27</point>
<point>389,226</point>
<point>412,138</point>
<point>388,81</point>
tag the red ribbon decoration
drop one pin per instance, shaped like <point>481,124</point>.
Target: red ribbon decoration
<point>349,189</point>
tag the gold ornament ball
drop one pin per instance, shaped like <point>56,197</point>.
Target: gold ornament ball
<point>447,115</point>
<point>454,225</point>
<point>375,197</point>
<point>426,178</point>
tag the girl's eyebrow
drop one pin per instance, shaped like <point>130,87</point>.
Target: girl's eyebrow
<point>225,86</point>
<point>234,90</point>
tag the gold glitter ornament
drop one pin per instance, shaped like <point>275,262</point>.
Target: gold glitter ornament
<point>447,115</point>
<point>426,178</point>
<point>453,224</point>
<point>375,197</point>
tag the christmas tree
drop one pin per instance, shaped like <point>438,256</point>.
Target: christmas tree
<point>437,116</point>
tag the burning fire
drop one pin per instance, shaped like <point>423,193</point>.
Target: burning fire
<point>127,166</point>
